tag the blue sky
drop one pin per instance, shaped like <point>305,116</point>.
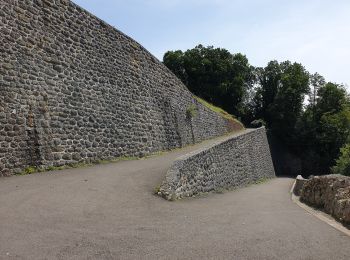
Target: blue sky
<point>315,33</point>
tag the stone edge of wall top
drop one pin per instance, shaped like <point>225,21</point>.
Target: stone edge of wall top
<point>112,27</point>
<point>182,176</point>
<point>222,139</point>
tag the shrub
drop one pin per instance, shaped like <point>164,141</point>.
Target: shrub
<point>30,170</point>
<point>258,123</point>
<point>156,190</point>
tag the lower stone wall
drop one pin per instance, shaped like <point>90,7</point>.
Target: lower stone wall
<point>299,184</point>
<point>236,161</point>
<point>331,193</point>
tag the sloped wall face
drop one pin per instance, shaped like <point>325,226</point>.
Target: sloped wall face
<point>234,162</point>
<point>72,88</point>
<point>330,193</point>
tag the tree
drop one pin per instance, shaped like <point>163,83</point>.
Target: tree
<point>324,128</point>
<point>331,98</point>
<point>343,163</point>
<point>174,61</point>
<point>316,82</point>
<point>331,135</point>
<point>213,74</point>
<point>268,80</point>
<point>280,94</point>
<point>275,95</point>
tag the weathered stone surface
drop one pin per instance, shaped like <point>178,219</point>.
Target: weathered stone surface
<point>330,193</point>
<point>237,161</point>
<point>79,90</point>
<point>299,184</point>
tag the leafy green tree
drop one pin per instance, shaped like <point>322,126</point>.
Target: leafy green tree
<point>332,133</point>
<point>324,128</point>
<point>343,163</point>
<point>316,82</point>
<point>175,62</point>
<point>332,98</point>
<point>268,80</point>
<point>280,95</point>
<point>213,74</point>
<point>275,95</point>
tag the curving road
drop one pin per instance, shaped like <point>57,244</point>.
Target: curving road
<point>109,212</point>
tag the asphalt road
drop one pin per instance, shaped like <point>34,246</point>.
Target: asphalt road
<point>109,212</point>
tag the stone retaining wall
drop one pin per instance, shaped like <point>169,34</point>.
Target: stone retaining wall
<point>330,193</point>
<point>298,185</point>
<point>236,161</point>
<point>75,89</point>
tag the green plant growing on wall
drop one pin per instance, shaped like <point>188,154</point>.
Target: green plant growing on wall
<point>30,170</point>
<point>191,111</point>
<point>156,190</point>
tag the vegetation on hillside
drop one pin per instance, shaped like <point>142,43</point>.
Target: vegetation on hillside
<point>213,74</point>
<point>220,111</point>
<point>343,163</point>
<point>276,95</point>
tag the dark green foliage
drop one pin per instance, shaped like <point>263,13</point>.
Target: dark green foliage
<point>280,94</point>
<point>331,98</point>
<point>324,128</point>
<point>214,74</point>
<point>258,123</point>
<point>174,60</point>
<point>276,94</point>
<point>343,163</point>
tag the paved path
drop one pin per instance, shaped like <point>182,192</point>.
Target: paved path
<point>109,212</point>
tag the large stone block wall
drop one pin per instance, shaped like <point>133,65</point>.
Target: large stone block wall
<point>73,88</point>
<point>236,161</point>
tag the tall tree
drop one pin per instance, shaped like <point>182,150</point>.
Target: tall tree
<point>214,74</point>
<point>276,95</point>
<point>316,82</point>
<point>280,94</point>
<point>175,62</point>
<point>324,128</point>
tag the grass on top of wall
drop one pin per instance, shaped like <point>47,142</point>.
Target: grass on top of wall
<point>219,110</point>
